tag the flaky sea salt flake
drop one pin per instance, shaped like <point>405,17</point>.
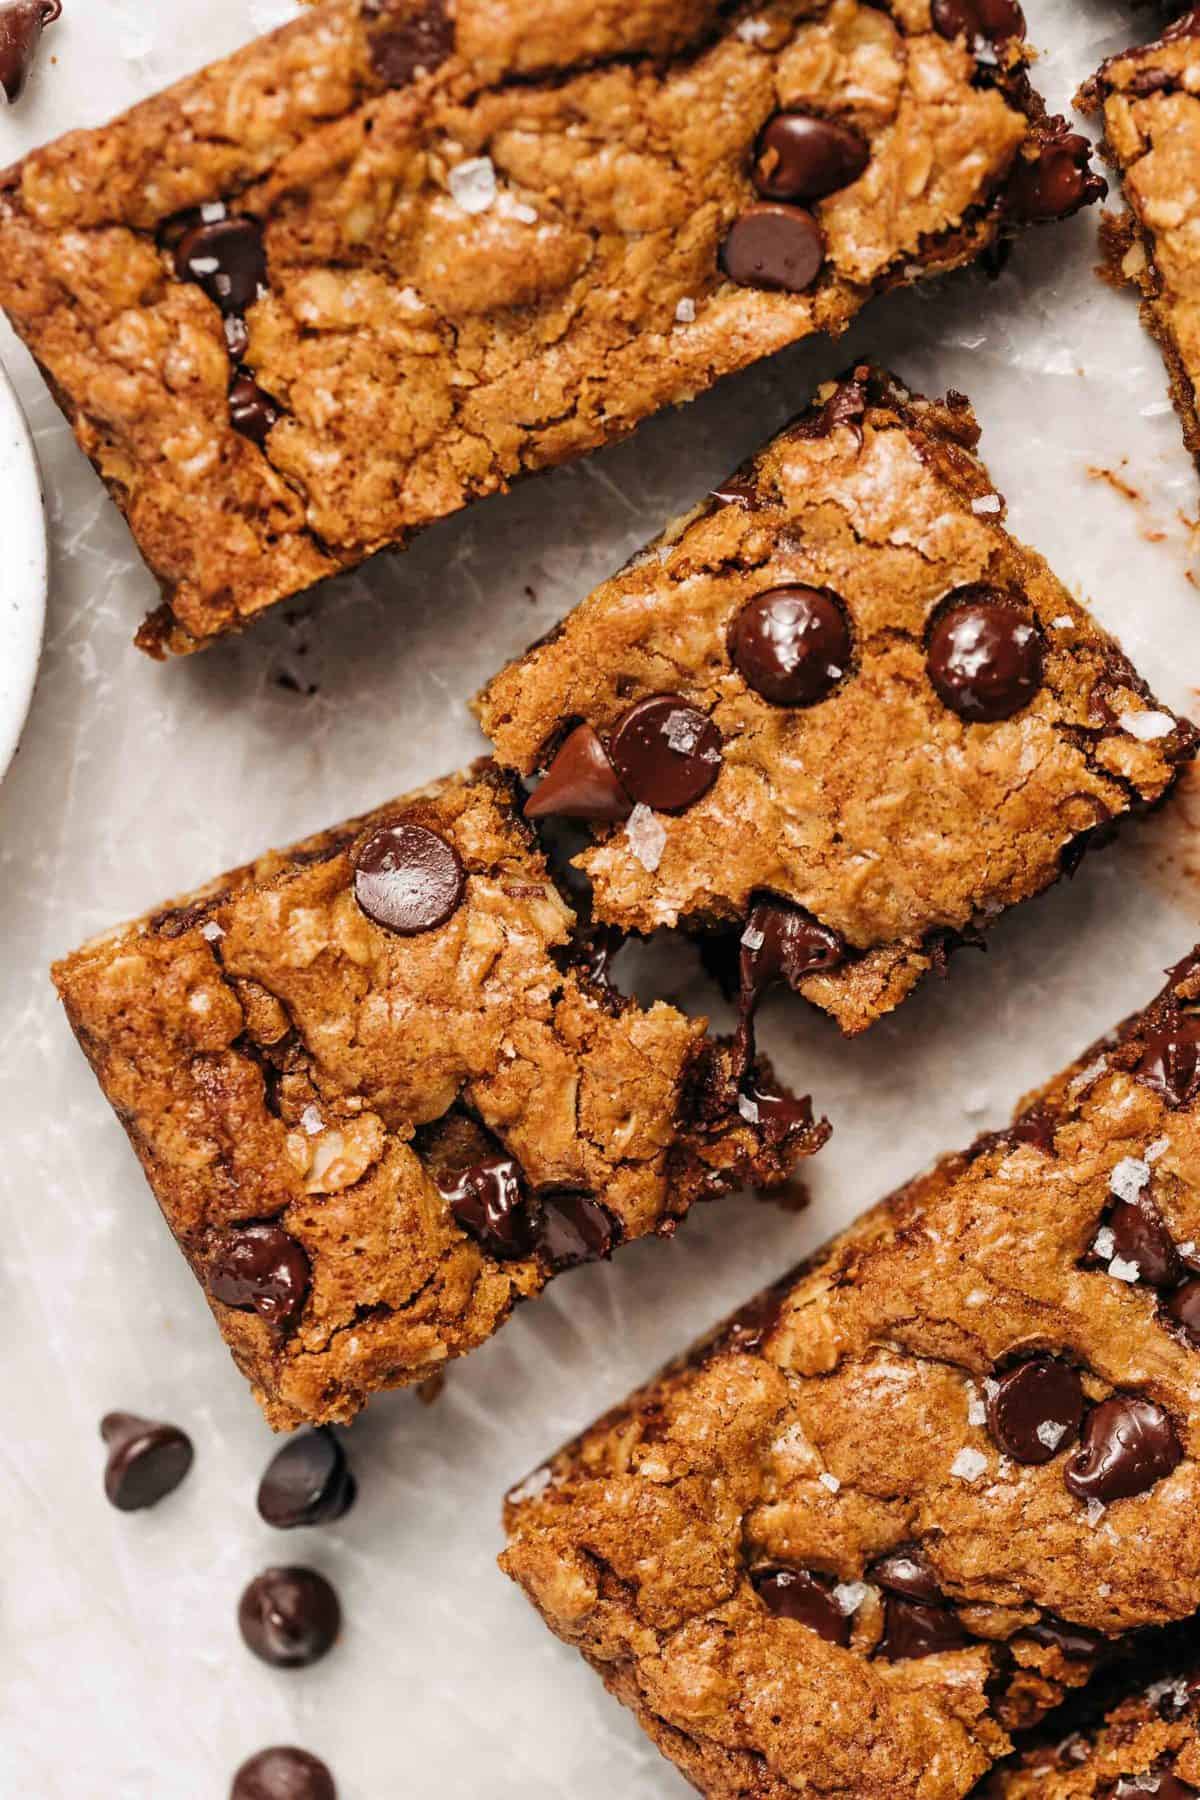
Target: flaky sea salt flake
<point>1095,1512</point>
<point>473,184</point>
<point>1050,1434</point>
<point>829,1481</point>
<point>1146,726</point>
<point>1129,1178</point>
<point>682,732</point>
<point>685,311</point>
<point>1104,1243</point>
<point>748,1109</point>
<point>211,931</point>
<point>647,837</point>
<point>753,31</point>
<point>986,503</point>
<point>968,1465</point>
<point>753,938</point>
<point>848,1596</point>
<point>1120,1270</point>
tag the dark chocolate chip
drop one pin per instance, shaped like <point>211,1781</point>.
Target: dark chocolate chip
<point>1128,1445</point>
<point>1093,837</point>
<point>846,405</point>
<point>802,157</point>
<point>985,658</point>
<point>488,1201</point>
<point>994,19</point>
<point>237,336</point>
<point>1158,1784</point>
<point>146,1460</point>
<point>795,1594</point>
<point>227,258</point>
<point>1035,1409</point>
<point>774,246</point>
<point>666,753</point>
<point>1072,1751</point>
<point>580,783</point>
<point>773,1109</point>
<point>308,1482</point>
<point>574,1228</point>
<point>1140,1236</point>
<point>913,1628</point>
<point>739,493</point>
<point>594,948</point>
<point>289,1617</point>
<point>748,1329</point>
<point>1036,1126</point>
<point>416,45</point>
<point>21,25</point>
<point>1170,1062</point>
<point>252,410</point>
<point>283,1773</point>
<point>1055,183</point>
<point>791,644</point>
<point>784,943</point>
<point>408,879</point>
<point>906,1571</point>
<point>1075,1642</point>
<point>1183,1307</point>
<point>259,1268</point>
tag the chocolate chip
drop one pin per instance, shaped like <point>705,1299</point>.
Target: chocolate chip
<point>1185,26</point>
<point>666,753</point>
<point>795,1594</point>
<point>911,1628</point>
<point>259,1268</point>
<point>1072,1751</point>
<point>21,25</point>
<point>289,1617</point>
<point>906,1571</point>
<point>146,1460</point>
<point>227,258</point>
<point>1036,1126</point>
<point>1035,1409</point>
<point>574,1228</point>
<point>773,1109</point>
<point>801,157</point>
<point>1140,1236</point>
<point>1170,1062</point>
<point>784,943</point>
<point>283,1773</point>
<point>580,783</point>
<point>994,19</point>
<point>749,1327</point>
<point>308,1482</point>
<point>1075,1642</point>
<point>791,644</point>
<point>1055,183</point>
<point>1128,1445</point>
<point>593,950</point>
<point>1184,1308</point>
<point>416,45</point>
<point>237,336</point>
<point>739,493</point>
<point>984,658</point>
<point>252,410</point>
<point>776,247</point>
<point>1158,1784</point>
<point>408,879</point>
<point>488,1201</point>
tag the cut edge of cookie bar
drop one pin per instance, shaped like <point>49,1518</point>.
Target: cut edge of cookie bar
<point>850,1531</point>
<point>372,1146</point>
<point>798,917</point>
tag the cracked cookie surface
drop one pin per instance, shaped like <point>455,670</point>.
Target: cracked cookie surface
<point>371,1141</point>
<point>824,1553</point>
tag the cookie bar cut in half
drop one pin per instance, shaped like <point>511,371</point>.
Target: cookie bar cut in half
<point>1148,102</point>
<point>382,1092</point>
<point>838,708</point>
<point>899,1505</point>
<point>394,255</point>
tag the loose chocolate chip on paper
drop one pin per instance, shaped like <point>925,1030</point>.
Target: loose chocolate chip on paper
<point>1170,1062</point>
<point>791,645</point>
<point>906,1571</point>
<point>283,1773</point>
<point>489,1202</point>
<point>289,1617</point>
<point>667,753</point>
<point>407,879</point>
<point>776,247</point>
<point>21,25</point>
<point>994,19</point>
<point>260,1268</point>
<point>574,1228</point>
<point>795,1594</point>
<point>1128,1445</point>
<point>1035,1409</point>
<point>308,1482</point>
<point>803,157</point>
<point>913,1628</point>
<point>580,783</point>
<point>227,259</point>
<point>146,1460</point>
<point>984,658</point>
<point>1055,182</point>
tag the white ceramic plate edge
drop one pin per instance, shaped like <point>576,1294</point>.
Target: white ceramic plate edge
<point>23,570</point>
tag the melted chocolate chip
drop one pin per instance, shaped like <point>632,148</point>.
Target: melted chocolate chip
<point>846,405</point>
<point>783,943</point>
<point>146,1460</point>
<point>1036,1409</point>
<point>1184,1308</point>
<point>993,19</point>
<point>776,247</point>
<point>666,753</point>
<point>283,1773</point>
<point>913,1628</point>
<point>1093,837</point>
<point>906,1571</point>
<point>21,25</point>
<point>984,658</point>
<point>773,1109</point>
<point>1185,26</point>
<point>289,1617</point>
<point>407,879</point>
<point>252,410</point>
<point>227,259</point>
<point>416,45</point>
<point>594,949</point>
<point>574,1228</point>
<point>1037,1126</point>
<point>1075,1642</point>
<point>1055,183</point>
<point>749,1328</point>
<point>259,1268</point>
<point>580,783</point>
<point>237,336</point>
<point>791,644</point>
<point>1159,1784</point>
<point>1128,1445</point>
<point>1170,1062</point>
<point>308,1482</point>
<point>1140,1236</point>
<point>802,157</point>
<point>739,493</point>
<point>795,1594</point>
<point>489,1202</point>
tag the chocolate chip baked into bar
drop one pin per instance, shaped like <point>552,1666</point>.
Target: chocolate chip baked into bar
<point>1148,101</point>
<point>838,708</point>
<point>898,1505</point>
<point>382,1093</point>
<point>396,254</point>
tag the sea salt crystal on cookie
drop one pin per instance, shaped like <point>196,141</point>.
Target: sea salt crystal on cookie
<point>1146,726</point>
<point>1129,1178</point>
<point>647,837</point>
<point>473,184</point>
<point>1124,1271</point>
<point>848,1596</point>
<point>968,1465</point>
<point>829,1481</point>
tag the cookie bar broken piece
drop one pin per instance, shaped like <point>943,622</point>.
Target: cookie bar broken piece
<point>394,255</point>
<point>897,1507</point>
<point>1148,102</point>
<point>380,1099</point>
<point>836,709</point>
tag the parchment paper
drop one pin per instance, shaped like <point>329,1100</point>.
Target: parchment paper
<point>122,1676</point>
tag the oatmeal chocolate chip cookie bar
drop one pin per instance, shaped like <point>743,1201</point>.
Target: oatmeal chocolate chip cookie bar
<point>381,1098</point>
<point>1148,100</point>
<point>397,254</point>
<point>838,708</point>
<point>895,1508</point>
